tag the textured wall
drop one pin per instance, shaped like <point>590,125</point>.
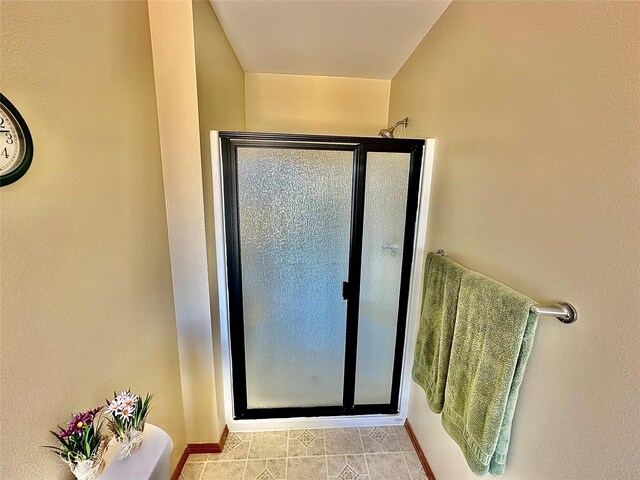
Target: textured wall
<point>86,292</point>
<point>221,106</point>
<point>177,100</point>
<point>535,108</point>
<point>309,104</point>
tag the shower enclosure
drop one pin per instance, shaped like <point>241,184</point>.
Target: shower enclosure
<point>319,244</point>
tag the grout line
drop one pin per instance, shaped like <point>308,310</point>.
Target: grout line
<point>365,455</point>
<point>407,464</point>
<point>246,462</point>
<point>326,454</point>
<point>203,469</point>
<point>326,465</point>
<point>286,459</point>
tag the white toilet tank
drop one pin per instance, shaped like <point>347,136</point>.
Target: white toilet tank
<point>150,462</point>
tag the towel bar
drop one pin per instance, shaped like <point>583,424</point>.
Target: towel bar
<point>565,312</point>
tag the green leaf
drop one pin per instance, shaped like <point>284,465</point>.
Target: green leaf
<point>85,438</point>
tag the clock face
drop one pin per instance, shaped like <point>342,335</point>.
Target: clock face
<point>16,148</point>
<point>12,146</point>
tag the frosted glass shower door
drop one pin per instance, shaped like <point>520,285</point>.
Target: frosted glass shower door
<point>294,211</point>
<point>319,247</point>
<point>383,236</point>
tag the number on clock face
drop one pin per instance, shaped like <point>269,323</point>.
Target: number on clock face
<point>11,142</point>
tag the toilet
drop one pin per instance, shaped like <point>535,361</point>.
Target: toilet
<point>151,461</point>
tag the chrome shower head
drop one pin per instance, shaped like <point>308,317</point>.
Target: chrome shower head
<point>388,132</point>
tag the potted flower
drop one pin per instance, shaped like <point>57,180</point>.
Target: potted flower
<point>82,445</point>
<point>128,415</point>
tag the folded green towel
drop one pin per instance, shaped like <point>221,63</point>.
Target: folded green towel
<point>435,334</point>
<point>492,340</point>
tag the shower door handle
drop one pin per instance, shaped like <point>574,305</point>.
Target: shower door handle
<point>345,290</point>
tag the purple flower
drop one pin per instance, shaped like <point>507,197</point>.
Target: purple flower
<point>80,421</point>
<point>94,412</point>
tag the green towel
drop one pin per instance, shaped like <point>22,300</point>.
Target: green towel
<point>435,334</point>
<point>493,336</point>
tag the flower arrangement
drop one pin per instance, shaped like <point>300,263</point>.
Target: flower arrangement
<point>128,414</point>
<point>82,445</point>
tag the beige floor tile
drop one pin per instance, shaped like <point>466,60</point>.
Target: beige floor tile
<point>342,441</point>
<point>351,467</point>
<point>307,468</point>
<point>306,442</point>
<point>387,466</point>
<point>378,440</point>
<point>272,469</point>
<point>403,440</point>
<point>419,476</point>
<point>390,428</point>
<point>193,471</point>
<point>316,432</point>
<point>197,457</point>
<point>399,431</point>
<point>237,452</point>
<point>235,448</point>
<point>224,470</point>
<point>313,454</point>
<point>414,465</point>
<point>268,445</point>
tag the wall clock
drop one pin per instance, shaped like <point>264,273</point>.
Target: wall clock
<point>16,145</point>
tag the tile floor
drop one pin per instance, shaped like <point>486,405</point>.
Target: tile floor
<point>374,453</point>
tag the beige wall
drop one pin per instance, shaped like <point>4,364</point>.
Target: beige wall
<point>535,108</point>
<point>310,104</point>
<point>221,106</point>
<point>220,76</point>
<point>177,100</point>
<point>86,296</point>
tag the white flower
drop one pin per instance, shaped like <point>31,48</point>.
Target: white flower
<point>113,406</point>
<point>124,406</point>
<point>124,412</point>
<point>130,401</point>
<point>127,398</point>
<point>122,396</point>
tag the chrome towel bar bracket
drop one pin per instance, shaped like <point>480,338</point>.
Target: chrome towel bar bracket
<point>565,312</point>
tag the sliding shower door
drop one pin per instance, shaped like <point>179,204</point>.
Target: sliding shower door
<point>294,210</point>
<point>319,247</point>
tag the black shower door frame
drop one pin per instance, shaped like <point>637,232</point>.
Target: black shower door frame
<point>360,146</point>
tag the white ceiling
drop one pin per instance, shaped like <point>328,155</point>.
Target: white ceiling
<point>348,38</point>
